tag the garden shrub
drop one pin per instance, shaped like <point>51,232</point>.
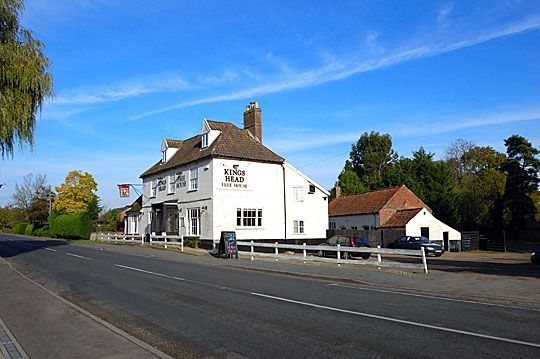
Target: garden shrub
<point>41,232</point>
<point>192,242</point>
<point>19,228</point>
<point>71,226</point>
<point>29,230</point>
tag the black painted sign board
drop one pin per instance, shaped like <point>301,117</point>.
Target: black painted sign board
<point>227,244</point>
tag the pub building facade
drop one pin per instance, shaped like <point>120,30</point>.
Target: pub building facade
<point>225,179</point>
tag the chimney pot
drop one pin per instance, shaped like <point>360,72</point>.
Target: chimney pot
<point>338,190</point>
<point>253,120</point>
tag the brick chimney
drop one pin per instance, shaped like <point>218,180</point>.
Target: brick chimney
<point>253,120</point>
<point>338,190</point>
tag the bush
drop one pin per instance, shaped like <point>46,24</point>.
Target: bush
<point>29,230</point>
<point>42,232</point>
<point>70,226</point>
<point>19,228</point>
<point>192,242</point>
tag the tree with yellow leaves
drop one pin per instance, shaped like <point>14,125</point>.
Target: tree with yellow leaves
<point>75,194</point>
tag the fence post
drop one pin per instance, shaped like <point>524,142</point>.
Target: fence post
<point>338,257</point>
<point>252,250</point>
<point>142,239</point>
<point>182,243</point>
<point>424,261</point>
<point>305,252</point>
<point>379,259</point>
<point>165,239</point>
<point>277,251</point>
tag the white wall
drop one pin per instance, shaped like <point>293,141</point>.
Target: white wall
<point>436,228</point>
<point>256,185</point>
<point>312,208</point>
<point>359,221</point>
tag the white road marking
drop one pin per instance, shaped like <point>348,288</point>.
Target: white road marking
<point>373,316</point>
<point>401,321</point>
<point>77,256</point>
<point>50,249</point>
<point>149,272</point>
<point>431,297</point>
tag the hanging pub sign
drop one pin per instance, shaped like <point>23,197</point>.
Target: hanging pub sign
<point>124,190</point>
<point>227,245</point>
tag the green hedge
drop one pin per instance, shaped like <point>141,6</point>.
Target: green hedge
<point>29,230</point>
<point>71,226</point>
<point>19,228</point>
<point>41,232</point>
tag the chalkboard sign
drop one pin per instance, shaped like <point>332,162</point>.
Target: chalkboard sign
<point>227,244</point>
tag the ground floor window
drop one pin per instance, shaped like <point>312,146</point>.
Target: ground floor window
<point>298,227</point>
<point>332,225</point>
<point>194,221</point>
<point>249,217</point>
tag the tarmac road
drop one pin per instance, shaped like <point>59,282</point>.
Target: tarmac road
<point>200,309</point>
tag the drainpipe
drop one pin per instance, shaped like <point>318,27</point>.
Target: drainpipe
<point>284,205</point>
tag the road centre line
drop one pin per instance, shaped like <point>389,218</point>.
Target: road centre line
<point>401,321</point>
<point>367,315</point>
<point>78,256</point>
<point>431,297</point>
<point>50,249</point>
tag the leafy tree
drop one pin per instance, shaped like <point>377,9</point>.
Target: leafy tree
<point>32,197</point>
<point>10,215</point>
<point>371,157</point>
<point>93,209</point>
<point>111,221</point>
<point>430,180</point>
<point>76,194</point>
<point>455,158</point>
<point>350,183</point>
<point>481,187</point>
<point>521,168</point>
<point>25,79</point>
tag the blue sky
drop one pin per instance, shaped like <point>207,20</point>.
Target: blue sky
<point>130,73</point>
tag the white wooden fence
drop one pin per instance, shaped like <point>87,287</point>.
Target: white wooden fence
<point>130,238</point>
<point>340,251</point>
<point>339,254</point>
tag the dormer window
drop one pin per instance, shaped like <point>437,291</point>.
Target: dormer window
<point>164,156</point>
<point>204,140</point>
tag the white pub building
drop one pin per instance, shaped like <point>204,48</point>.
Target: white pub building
<point>225,179</point>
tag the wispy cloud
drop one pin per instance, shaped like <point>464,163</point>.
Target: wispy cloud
<point>120,91</point>
<point>336,70</point>
<point>435,127</point>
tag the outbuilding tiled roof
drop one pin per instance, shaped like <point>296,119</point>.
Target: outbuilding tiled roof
<point>401,218</point>
<point>364,203</point>
<point>232,142</point>
<point>136,206</point>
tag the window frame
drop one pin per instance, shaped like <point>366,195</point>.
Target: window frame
<point>298,193</point>
<point>153,188</point>
<point>194,180</point>
<point>249,217</point>
<point>171,183</point>
<point>299,226</point>
<point>204,140</point>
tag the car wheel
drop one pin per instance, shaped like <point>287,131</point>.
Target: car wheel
<point>438,254</point>
<point>321,253</point>
<point>365,256</point>
<point>346,255</point>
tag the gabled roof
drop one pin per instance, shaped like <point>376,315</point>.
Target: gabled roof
<point>364,203</point>
<point>401,218</point>
<point>135,206</point>
<point>232,142</point>
<point>173,143</point>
